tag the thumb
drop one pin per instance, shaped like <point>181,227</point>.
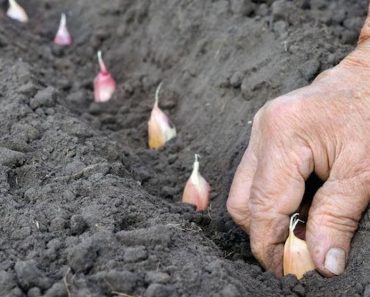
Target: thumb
<point>333,218</point>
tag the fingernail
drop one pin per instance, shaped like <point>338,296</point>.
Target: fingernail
<point>335,260</point>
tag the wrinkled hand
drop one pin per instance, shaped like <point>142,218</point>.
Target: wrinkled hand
<point>322,128</point>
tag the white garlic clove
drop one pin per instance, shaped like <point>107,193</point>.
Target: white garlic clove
<point>297,259</point>
<point>16,12</point>
<point>104,84</point>
<point>197,189</point>
<point>160,128</point>
<point>63,37</point>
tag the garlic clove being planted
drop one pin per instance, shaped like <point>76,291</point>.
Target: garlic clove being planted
<point>297,259</point>
<point>104,84</point>
<point>16,12</point>
<point>63,37</point>
<point>197,189</point>
<point>160,128</point>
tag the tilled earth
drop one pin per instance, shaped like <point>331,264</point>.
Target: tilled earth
<point>86,208</point>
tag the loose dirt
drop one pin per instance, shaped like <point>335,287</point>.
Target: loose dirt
<point>86,208</point>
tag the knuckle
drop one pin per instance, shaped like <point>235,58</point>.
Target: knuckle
<point>325,74</point>
<point>280,107</point>
<point>334,214</point>
<point>324,221</point>
<point>260,200</point>
<point>365,34</point>
<point>278,113</point>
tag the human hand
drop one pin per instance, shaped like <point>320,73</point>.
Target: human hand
<point>322,128</point>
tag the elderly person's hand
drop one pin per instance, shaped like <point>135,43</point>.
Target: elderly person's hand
<point>322,128</point>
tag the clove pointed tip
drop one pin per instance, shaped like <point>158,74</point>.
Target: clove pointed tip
<point>102,66</point>
<point>156,102</point>
<point>63,20</point>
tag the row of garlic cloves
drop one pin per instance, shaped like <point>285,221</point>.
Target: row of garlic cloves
<point>17,12</point>
<point>160,128</point>
<point>104,84</point>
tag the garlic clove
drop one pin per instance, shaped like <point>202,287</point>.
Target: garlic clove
<point>197,189</point>
<point>104,84</point>
<point>63,37</point>
<point>16,12</point>
<point>160,128</point>
<point>297,259</point>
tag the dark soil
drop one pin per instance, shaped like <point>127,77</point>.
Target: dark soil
<point>86,208</point>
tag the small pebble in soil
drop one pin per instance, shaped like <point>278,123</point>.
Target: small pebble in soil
<point>7,283</point>
<point>367,291</point>
<point>288,282</point>
<point>318,4</point>
<point>359,288</point>
<point>157,277</point>
<point>281,9</point>
<point>57,50</point>
<point>242,7</point>
<point>34,292</point>
<point>135,254</point>
<point>230,291</point>
<point>58,224</point>
<point>57,290</point>
<point>120,281</point>
<point>78,224</point>
<point>299,290</point>
<point>78,98</point>
<point>236,79</point>
<point>43,98</point>
<point>263,10</point>
<point>29,275</point>
<point>11,158</point>
<point>281,28</point>
<point>28,89</point>
<point>81,258</point>
<point>157,290</point>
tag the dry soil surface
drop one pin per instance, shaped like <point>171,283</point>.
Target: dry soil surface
<point>86,208</point>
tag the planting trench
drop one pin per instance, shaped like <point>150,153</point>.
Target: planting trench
<point>86,208</point>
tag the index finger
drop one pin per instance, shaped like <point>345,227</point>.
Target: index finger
<point>276,192</point>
